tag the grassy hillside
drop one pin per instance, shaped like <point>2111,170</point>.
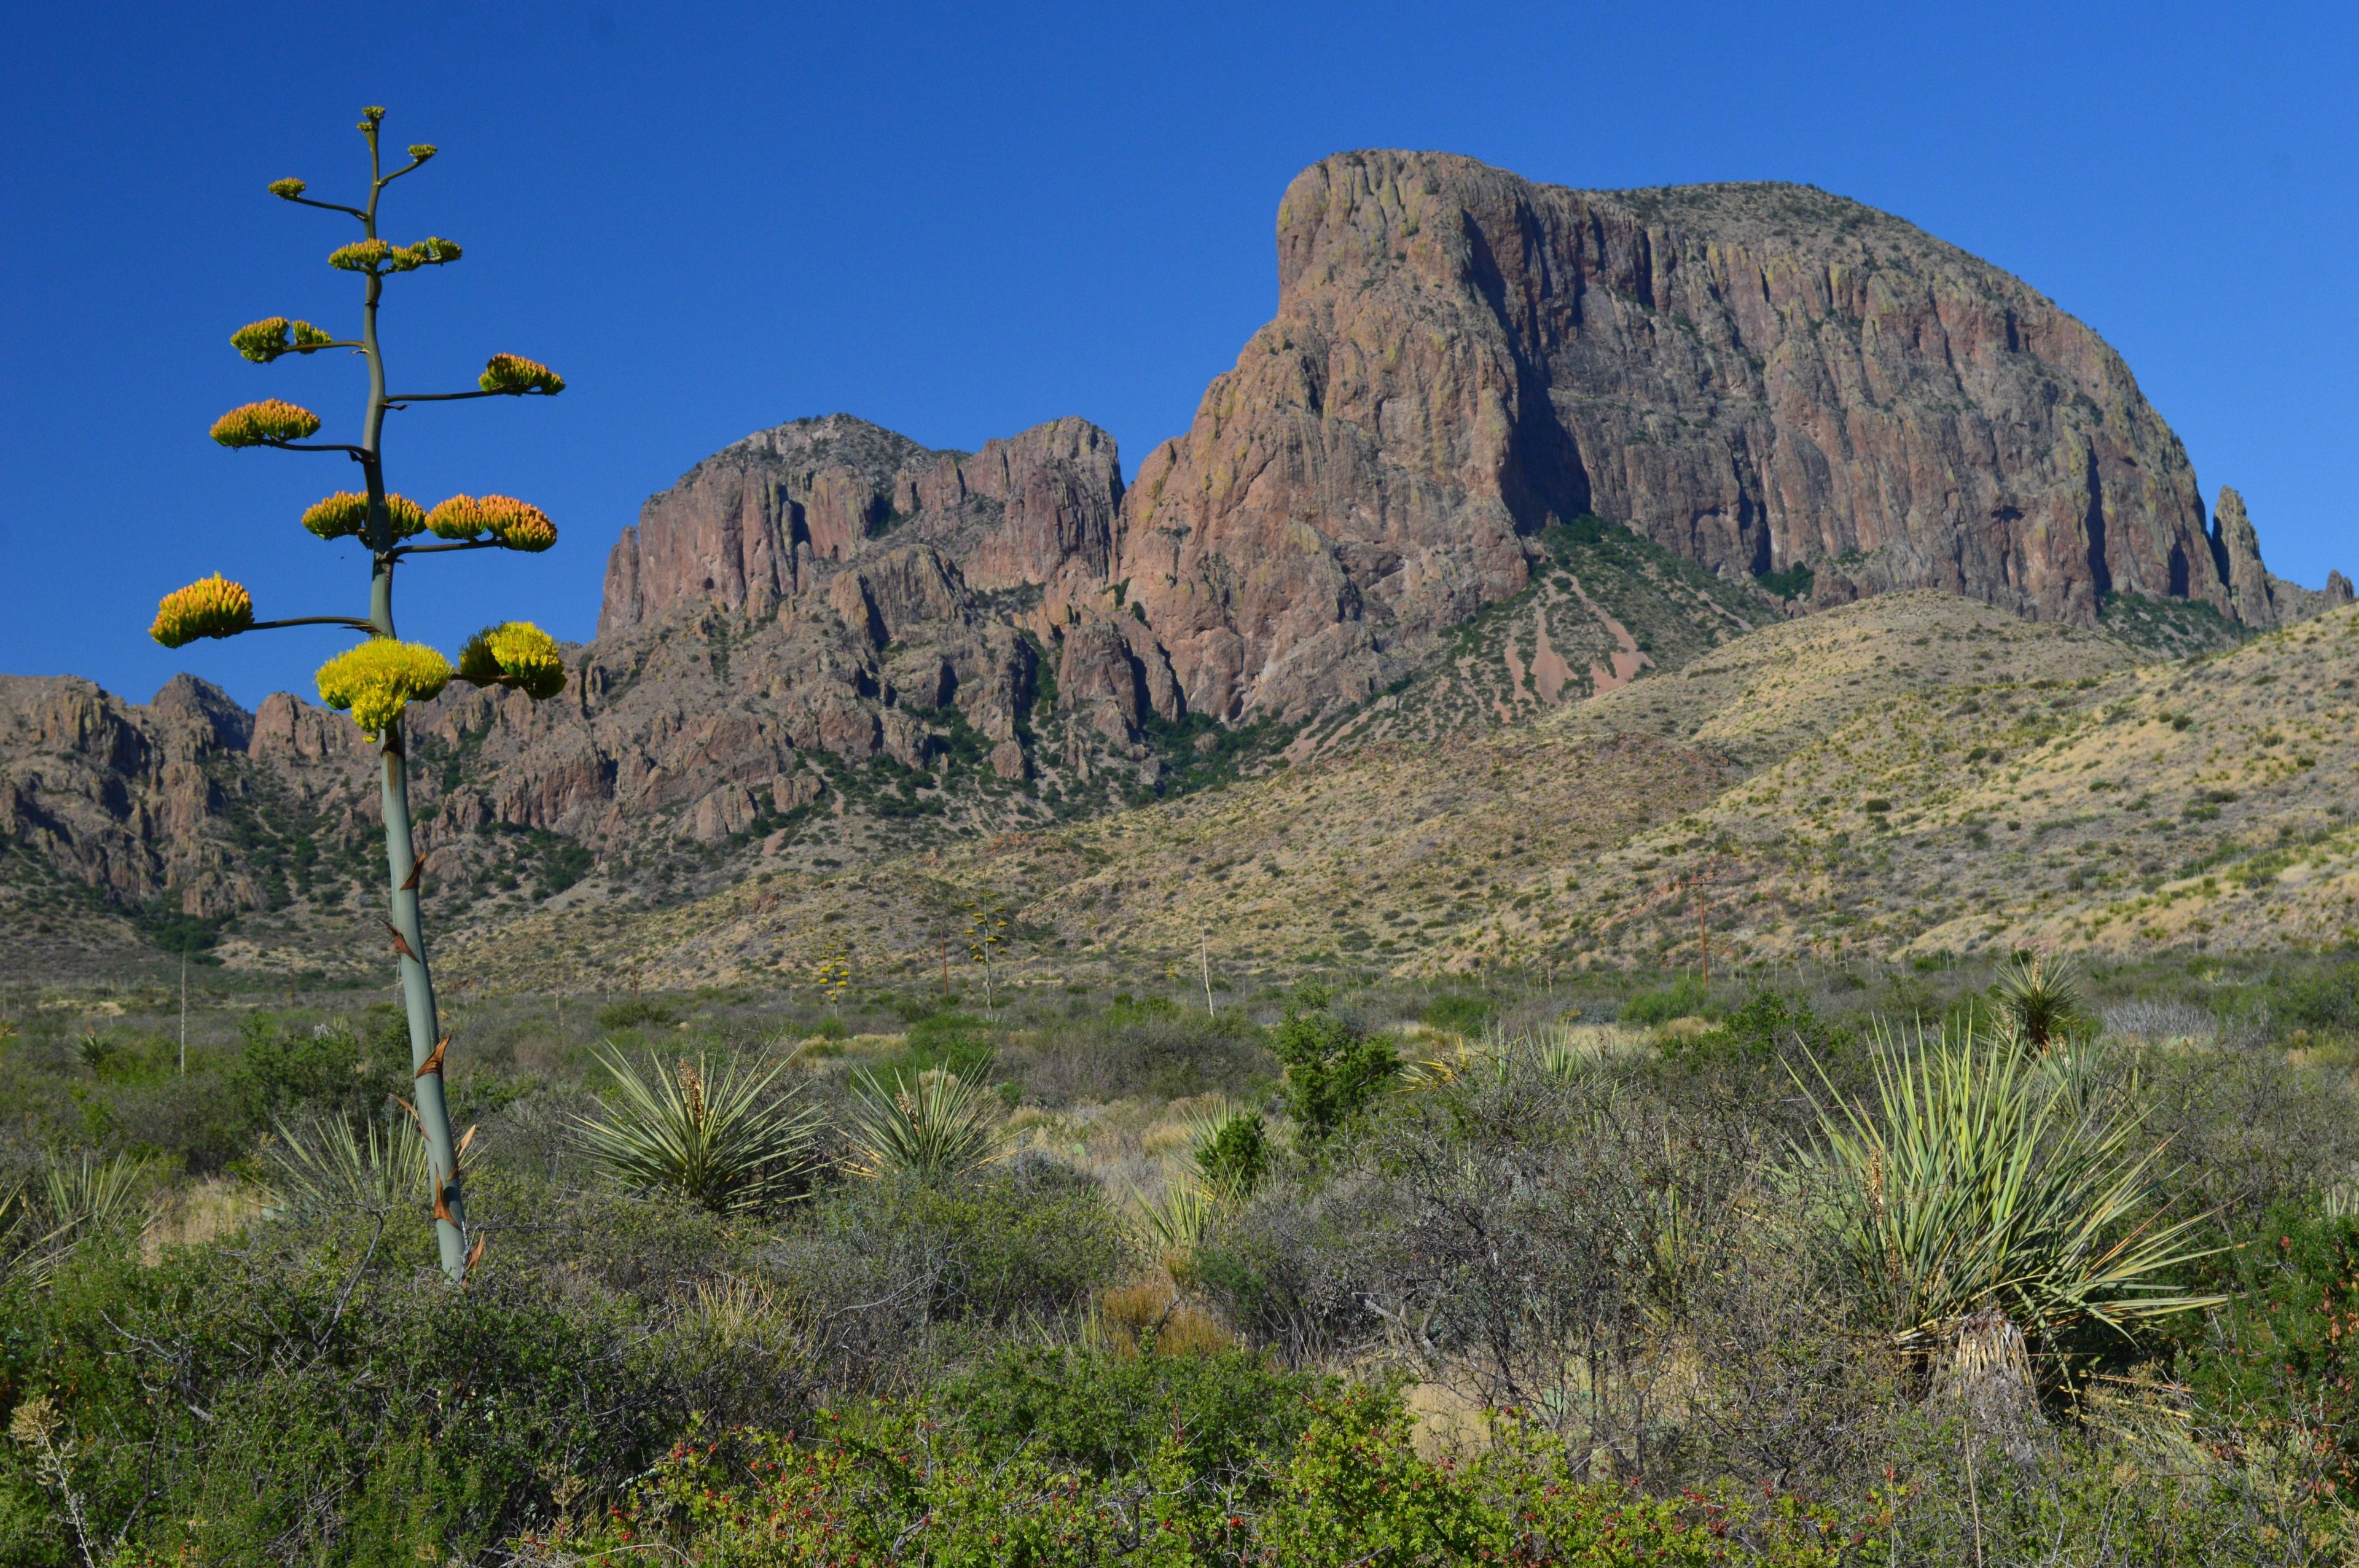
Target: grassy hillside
<point>2201,802</point>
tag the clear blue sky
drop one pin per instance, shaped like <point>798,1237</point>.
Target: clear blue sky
<point>960,219</point>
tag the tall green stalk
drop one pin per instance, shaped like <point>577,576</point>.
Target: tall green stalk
<point>377,680</point>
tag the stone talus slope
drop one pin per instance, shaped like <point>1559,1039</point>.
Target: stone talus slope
<point>1754,376</point>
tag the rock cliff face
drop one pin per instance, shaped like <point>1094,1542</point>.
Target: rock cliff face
<point>746,528</point>
<point>1755,376</point>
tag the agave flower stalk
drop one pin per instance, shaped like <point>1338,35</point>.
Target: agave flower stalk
<point>377,680</point>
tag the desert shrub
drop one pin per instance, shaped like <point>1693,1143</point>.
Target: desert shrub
<point>1128,1053</point>
<point>1684,998</point>
<point>331,1071</point>
<point>2317,999</point>
<point>1334,1068</point>
<point>320,1394</point>
<point>1231,1152</point>
<point>1108,1415</point>
<point>1458,1012</point>
<point>2247,1130</point>
<point>634,1012</point>
<point>896,1273</point>
<point>1349,1488</point>
<point>2279,1362</point>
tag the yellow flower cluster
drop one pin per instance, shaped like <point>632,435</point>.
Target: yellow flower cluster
<point>287,189</point>
<point>514,524</point>
<point>515,374</point>
<point>381,677</point>
<point>420,151</point>
<point>262,424</point>
<point>375,255</point>
<point>344,515</point>
<point>209,607</point>
<point>360,256</point>
<point>516,654</point>
<point>263,341</point>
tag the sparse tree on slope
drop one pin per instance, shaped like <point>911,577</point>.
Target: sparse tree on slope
<point>377,679</point>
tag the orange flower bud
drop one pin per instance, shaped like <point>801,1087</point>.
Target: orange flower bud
<point>267,423</point>
<point>209,607</point>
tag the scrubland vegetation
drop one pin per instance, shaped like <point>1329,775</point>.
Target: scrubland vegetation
<point>1935,1264</point>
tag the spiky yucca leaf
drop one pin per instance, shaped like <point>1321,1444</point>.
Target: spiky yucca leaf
<point>1229,1148</point>
<point>330,1166</point>
<point>1985,1176</point>
<point>77,1201</point>
<point>1168,1230</point>
<point>939,1126</point>
<point>722,1140</point>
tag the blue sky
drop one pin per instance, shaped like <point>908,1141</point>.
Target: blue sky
<point>960,219</point>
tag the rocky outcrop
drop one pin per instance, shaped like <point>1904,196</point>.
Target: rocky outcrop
<point>2260,598</point>
<point>747,528</point>
<point>1755,376</point>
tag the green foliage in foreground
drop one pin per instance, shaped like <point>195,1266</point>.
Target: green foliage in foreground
<point>1343,1486</point>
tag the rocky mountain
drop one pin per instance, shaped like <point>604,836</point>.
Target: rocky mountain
<point>1762,378</point>
<point>1505,450</point>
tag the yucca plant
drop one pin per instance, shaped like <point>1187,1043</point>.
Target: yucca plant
<point>1229,1149</point>
<point>2038,998</point>
<point>722,1140</point>
<point>377,680</point>
<point>381,1167</point>
<point>936,1127</point>
<point>76,1201</point>
<point>1166,1231</point>
<point>1984,1177</point>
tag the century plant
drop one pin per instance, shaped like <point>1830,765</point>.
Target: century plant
<point>939,1126</point>
<point>1984,1177</point>
<point>722,1140</point>
<point>377,679</point>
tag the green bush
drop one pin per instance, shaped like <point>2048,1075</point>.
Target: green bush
<point>329,1071</point>
<point>1457,1012</point>
<point>318,1394</point>
<point>633,1014</point>
<point>1109,1414</point>
<point>1684,998</point>
<point>1333,1067</point>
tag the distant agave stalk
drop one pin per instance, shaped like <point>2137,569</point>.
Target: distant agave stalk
<point>937,1127</point>
<point>1981,1178</point>
<point>377,680</point>
<point>724,1140</point>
